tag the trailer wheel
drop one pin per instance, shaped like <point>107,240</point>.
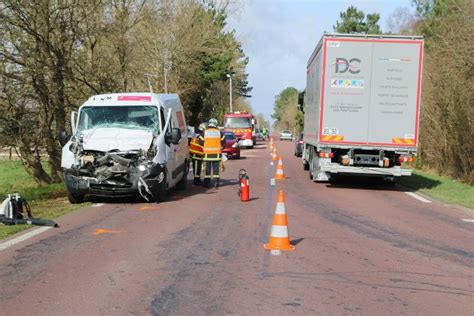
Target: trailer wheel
<point>305,165</point>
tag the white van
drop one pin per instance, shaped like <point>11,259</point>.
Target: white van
<point>126,144</point>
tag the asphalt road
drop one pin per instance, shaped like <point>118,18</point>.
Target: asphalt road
<point>361,248</point>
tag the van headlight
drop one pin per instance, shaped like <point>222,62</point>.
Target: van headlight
<point>142,167</point>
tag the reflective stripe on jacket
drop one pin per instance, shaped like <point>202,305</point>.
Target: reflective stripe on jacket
<point>195,147</point>
<point>212,141</point>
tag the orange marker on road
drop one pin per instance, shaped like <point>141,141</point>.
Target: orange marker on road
<point>274,154</point>
<point>146,208</point>
<point>279,239</point>
<point>100,231</point>
<point>279,171</point>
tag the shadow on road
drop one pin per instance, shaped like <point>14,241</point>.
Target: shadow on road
<point>406,184</point>
<point>294,242</point>
<point>417,181</point>
<point>173,194</point>
<point>363,183</point>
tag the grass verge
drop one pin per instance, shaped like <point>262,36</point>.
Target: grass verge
<point>441,188</point>
<point>47,202</point>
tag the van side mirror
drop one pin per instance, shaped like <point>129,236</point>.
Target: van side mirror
<point>301,101</point>
<point>175,136</point>
<point>63,138</point>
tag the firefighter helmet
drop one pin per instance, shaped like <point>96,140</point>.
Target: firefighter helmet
<point>212,123</point>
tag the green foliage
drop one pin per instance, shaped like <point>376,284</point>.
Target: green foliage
<point>285,112</point>
<point>47,201</point>
<point>15,180</point>
<point>355,21</point>
<point>441,188</point>
<point>447,116</point>
<point>54,56</point>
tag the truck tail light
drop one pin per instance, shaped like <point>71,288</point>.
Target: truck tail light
<point>326,155</point>
<point>406,159</point>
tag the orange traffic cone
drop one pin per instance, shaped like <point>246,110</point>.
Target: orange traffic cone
<point>279,239</point>
<point>274,154</point>
<point>279,171</point>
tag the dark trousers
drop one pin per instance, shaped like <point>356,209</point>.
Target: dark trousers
<point>214,166</point>
<point>197,166</point>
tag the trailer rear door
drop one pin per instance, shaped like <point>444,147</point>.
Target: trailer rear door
<point>371,91</point>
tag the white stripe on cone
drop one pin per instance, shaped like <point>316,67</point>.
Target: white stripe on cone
<point>279,231</point>
<point>280,171</point>
<point>280,208</point>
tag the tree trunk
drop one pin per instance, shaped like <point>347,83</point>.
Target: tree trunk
<point>32,165</point>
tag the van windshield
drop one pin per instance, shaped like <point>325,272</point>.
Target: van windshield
<point>132,117</point>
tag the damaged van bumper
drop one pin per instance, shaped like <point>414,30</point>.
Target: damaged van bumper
<point>143,183</point>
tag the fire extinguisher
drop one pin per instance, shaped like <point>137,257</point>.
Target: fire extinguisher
<point>244,186</point>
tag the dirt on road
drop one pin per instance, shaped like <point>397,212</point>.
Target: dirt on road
<point>361,248</point>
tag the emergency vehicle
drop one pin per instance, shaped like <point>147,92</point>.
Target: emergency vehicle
<point>242,124</point>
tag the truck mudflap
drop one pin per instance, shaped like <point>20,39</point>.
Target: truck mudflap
<point>368,171</point>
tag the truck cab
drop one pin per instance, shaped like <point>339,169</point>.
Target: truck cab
<point>126,144</point>
<point>242,124</point>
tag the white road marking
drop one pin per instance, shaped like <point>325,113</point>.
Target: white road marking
<point>271,163</point>
<point>275,252</point>
<point>7,244</point>
<point>272,181</point>
<point>97,205</point>
<point>468,220</point>
<point>419,198</point>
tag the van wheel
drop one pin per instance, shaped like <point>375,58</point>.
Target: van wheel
<point>161,192</point>
<point>183,183</point>
<point>75,198</point>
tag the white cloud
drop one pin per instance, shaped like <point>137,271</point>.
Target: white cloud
<point>279,36</point>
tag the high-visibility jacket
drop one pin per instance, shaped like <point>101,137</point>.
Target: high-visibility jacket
<point>196,149</point>
<point>212,141</point>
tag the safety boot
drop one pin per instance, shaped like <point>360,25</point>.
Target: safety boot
<point>207,183</point>
<point>197,181</point>
<point>216,183</point>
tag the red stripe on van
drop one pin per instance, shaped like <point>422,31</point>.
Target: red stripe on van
<point>139,98</point>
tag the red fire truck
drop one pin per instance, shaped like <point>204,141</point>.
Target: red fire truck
<point>242,124</point>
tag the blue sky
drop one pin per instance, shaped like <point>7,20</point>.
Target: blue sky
<point>278,36</point>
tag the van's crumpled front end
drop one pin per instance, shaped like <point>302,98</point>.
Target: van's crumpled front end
<point>125,145</point>
<point>114,153</point>
<point>114,174</point>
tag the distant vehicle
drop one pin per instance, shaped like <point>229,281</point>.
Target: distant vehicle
<point>286,135</point>
<point>259,136</point>
<point>242,124</point>
<point>126,144</point>
<point>231,145</point>
<point>299,146</point>
<point>362,105</point>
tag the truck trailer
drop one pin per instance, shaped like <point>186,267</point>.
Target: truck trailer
<point>361,105</point>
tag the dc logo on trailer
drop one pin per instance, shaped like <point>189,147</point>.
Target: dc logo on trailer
<point>343,65</point>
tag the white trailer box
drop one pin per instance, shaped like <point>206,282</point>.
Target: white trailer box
<point>362,105</point>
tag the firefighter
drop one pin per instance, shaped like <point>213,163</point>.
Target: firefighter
<point>196,151</point>
<point>213,140</point>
